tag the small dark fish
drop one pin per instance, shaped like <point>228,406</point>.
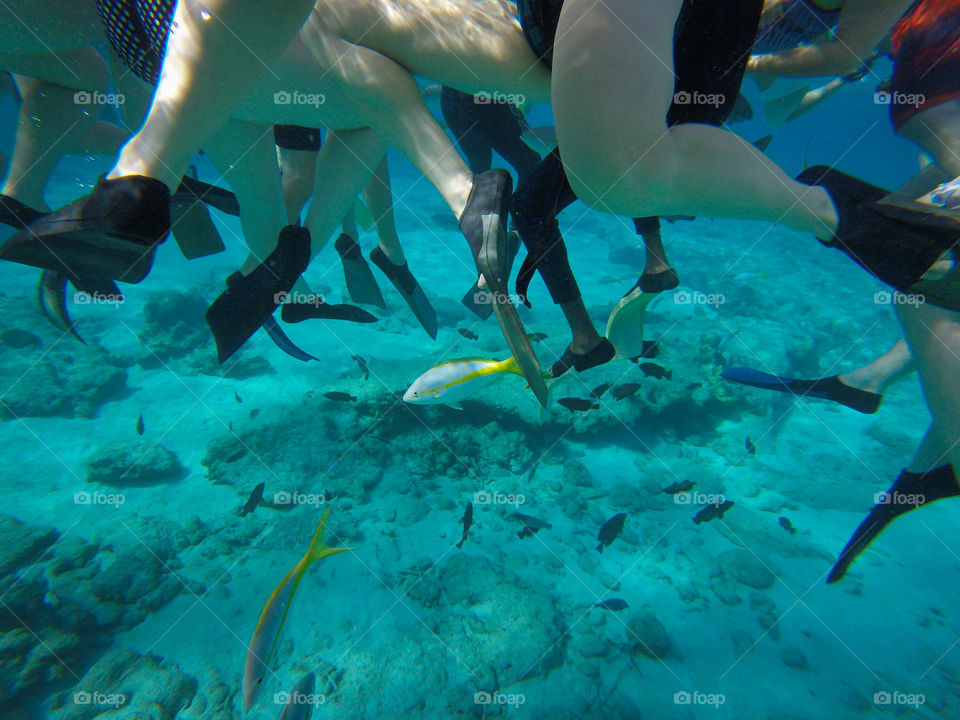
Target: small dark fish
<point>363,366</point>
<point>787,525</point>
<point>530,524</point>
<point>650,350</point>
<point>694,386</point>
<point>679,487</point>
<point>256,497</point>
<point>763,143</point>
<point>656,371</point>
<point>339,396</point>
<point>467,521</point>
<point>712,512</point>
<point>467,334</point>
<point>621,392</point>
<point>751,448</point>
<point>254,413</point>
<point>140,426</point>
<point>537,337</point>
<point>741,111</point>
<point>230,426</point>
<point>236,396</point>
<point>577,405</point>
<point>610,530</point>
<point>599,390</point>
<point>20,339</point>
<point>615,604</point>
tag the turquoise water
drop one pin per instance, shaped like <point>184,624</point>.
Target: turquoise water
<point>129,574</point>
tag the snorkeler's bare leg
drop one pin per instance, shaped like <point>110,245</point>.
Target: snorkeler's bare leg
<point>933,335</point>
<point>627,161</point>
<point>465,44</point>
<point>218,51</point>
<point>245,154</point>
<point>52,120</point>
<point>876,377</point>
<point>379,197</point>
<point>298,168</point>
<point>390,99</point>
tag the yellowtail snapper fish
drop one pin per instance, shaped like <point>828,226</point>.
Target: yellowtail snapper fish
<point>454,380</point>
<point>266,636</point>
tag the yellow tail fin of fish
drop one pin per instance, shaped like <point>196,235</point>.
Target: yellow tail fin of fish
<point>318,547</point>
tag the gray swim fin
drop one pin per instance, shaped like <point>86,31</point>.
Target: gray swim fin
<point>361,284</point>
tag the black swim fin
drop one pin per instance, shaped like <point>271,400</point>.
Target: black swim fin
<point>17,215</point>
<point>361,284</point>
<point>192,189</point>
<point>909,492</point>
<point>282,341</point>
<point>828,388</point>
<point>113,232</point>
<point>897,240</point>
<point>478,300</point>
<point>249,301</point>
<point>193,229</point>
<point>409,289</point>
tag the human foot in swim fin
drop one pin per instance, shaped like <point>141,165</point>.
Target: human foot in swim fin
<point>490,195</point>
<point>112,232</point>
<point>908,492</point>
<point>828,388</point>
<point>409,289</point>
<point>897,240</point>
<point>601,353</point>
<point>250,300</point>
<point>294,312</point>
<point>360,281</point>
<point>16,214</point>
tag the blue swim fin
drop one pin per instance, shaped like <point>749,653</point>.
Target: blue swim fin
<point>828,388</point>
